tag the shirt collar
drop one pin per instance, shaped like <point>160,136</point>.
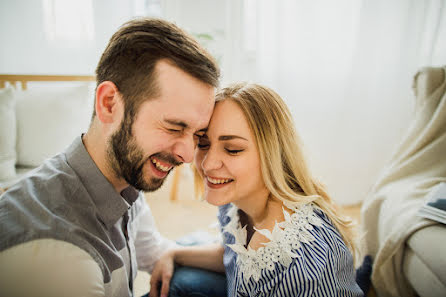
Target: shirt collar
<point>111,205</point>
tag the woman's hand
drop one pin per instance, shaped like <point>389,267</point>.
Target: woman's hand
<point>162,274</point>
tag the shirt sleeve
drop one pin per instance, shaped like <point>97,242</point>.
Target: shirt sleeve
<point>149,244</point>
<point>49,267</point>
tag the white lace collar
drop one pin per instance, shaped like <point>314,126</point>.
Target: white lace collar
<point>285,237</point>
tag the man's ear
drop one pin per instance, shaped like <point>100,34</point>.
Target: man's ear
<point>108,100</point>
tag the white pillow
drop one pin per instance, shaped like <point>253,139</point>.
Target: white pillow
<point>49,117</point>
<point>8,134</point>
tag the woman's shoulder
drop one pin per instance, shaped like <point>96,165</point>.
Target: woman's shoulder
<point>312,224</point>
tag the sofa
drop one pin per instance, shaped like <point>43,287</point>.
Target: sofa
<point>39,122</point>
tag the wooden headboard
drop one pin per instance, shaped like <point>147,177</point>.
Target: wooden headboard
<point>13,79</point>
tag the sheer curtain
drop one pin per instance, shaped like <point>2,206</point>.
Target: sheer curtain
<point>345,69</point>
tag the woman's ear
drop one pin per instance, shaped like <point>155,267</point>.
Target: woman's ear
<point>108,101</point>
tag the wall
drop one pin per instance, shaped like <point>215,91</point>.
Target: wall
<point>26,48</point>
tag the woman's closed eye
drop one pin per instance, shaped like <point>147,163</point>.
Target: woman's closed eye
<point>234,151</point>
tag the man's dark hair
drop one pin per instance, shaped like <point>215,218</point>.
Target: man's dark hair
<point>133,51</point>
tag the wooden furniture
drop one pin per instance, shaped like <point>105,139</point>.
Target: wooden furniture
<point>175,182</point>
<point>13,79</point>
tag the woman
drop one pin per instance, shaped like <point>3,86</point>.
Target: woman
<point>282,235</point>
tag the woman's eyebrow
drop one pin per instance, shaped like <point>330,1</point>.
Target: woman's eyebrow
<point>229,137</point>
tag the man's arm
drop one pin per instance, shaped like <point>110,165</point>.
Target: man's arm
<point>149,244</point>
<point>49,267</point>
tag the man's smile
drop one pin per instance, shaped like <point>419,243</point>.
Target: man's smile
<point>160,165</point>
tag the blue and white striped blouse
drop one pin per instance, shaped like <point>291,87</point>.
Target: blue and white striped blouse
<point>305,256</point>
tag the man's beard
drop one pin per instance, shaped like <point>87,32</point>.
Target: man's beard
<point>127,159</point>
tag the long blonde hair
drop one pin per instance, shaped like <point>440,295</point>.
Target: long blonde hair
<point>284,169</point>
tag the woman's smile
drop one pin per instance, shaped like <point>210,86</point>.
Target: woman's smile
<point>217,182</point>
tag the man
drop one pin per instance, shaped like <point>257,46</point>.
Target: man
<point>78,225</point>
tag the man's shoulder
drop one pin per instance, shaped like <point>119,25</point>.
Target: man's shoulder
<point>45,203</point>
<point>53,179</point>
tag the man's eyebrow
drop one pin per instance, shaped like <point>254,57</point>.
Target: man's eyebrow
<point>229,137</point>
<point>183,125</point>
<point>177,123</point>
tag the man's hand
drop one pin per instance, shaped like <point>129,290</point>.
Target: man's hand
<point>161,275</point>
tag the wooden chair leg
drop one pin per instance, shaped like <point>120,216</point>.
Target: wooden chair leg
<point>175,183</point>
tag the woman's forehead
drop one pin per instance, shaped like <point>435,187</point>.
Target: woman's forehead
<point>228,119</point>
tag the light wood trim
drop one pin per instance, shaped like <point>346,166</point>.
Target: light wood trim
<point>24,79</point>
<point>175,182</point>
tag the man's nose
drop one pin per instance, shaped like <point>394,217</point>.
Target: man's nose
<point>184,149</point>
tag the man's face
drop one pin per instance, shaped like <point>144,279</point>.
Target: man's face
<point>164,132</point>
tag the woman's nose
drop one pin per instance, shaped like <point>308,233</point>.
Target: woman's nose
<point>211,161</point>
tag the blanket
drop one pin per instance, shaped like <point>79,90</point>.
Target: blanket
<point>388,214</point>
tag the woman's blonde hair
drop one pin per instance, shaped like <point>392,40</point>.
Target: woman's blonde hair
<point>284,169</point>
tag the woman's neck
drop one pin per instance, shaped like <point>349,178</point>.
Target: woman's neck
<point>260,210</point>
<point>255,212</point>
<point>262,214</point>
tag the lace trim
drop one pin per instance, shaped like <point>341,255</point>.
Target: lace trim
<point>285,237</point>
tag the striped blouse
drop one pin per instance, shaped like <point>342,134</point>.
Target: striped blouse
<point>305,256</point>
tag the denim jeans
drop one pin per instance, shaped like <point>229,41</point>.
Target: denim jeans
<point>195,282</point>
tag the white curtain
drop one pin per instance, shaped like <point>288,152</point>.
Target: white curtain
<point>345,70</point>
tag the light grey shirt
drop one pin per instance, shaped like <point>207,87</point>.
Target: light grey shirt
<point>65,231</point>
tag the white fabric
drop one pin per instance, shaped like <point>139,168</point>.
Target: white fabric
<point>419,164</point>
<point>8,134</point>
<point>49,117</point>
<point>149,244</point>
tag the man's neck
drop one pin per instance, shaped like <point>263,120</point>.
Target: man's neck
<point>96,147</point>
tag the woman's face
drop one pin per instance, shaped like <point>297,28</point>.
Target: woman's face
<point>227,158</point>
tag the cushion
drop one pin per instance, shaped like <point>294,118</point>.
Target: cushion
<point>49,117</point>
<point>7,134</point>
<point>424,266</point>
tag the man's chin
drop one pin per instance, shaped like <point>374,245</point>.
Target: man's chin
<point>151,185</point>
